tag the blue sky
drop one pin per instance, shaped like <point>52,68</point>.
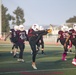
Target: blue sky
<point>43,12</point>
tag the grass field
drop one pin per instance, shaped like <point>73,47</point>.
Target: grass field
<point>49,64</point>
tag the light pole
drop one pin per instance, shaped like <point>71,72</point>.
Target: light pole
<point>0,21</point>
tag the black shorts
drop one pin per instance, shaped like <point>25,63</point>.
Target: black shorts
<point>62,41</point>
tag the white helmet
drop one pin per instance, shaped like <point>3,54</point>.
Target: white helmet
<point>64,28</point>
<point>21,27</point>
<point>70,28</point>
<point>74,27</point>
<point>16,27</point>
<point>41,28</point>
<point>35,27</point>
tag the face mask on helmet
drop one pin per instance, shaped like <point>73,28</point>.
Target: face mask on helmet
<point>41,28</point>
<point>16,28</point>
<point>74,27</point>
<point>35,27</point>
<point>21,27</point>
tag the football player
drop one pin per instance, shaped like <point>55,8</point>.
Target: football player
<point>62,36</point>
<point>41,41</point>
<point>72,35</point>
<point>33,36</point>
<point>22,37</point>
<point>70,43</point>
<point>13,39</point>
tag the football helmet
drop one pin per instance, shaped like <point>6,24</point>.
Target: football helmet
<point>35,27</point>
<point>21,27</point>
<point>74,27</point>
<point>16,27</point>
<point>64,28</point>
<point>70,28</point>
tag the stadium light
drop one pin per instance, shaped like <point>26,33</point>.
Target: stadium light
<point>0,21</point>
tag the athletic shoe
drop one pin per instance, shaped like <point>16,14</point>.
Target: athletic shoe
<point>64,59</point>
<point>20,60</point>
<point>74,62</point>
<point>31,52</point>
<point>42,52</point>
<point>34,66</point>
<point>11,52</point>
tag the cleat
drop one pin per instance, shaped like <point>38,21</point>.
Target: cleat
<point>11,52</point>
<point>20,60</point>
<point>64,59</point>
<point>31,52</point>
<point>43,52</point>
<point>34,67</point>
<point>74,62</point>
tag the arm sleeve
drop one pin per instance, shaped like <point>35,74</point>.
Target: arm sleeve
<point>43,32</point>
<point>58,39</point>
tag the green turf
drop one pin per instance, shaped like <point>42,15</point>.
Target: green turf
<point>49,64</point>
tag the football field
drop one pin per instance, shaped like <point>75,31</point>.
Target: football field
<point>48,64</point>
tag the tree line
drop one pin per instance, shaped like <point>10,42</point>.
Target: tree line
<point>18,18</point>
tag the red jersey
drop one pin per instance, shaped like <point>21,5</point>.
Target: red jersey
<point>63,34</point>
<point>30,33</point>
<point>72,33</point>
